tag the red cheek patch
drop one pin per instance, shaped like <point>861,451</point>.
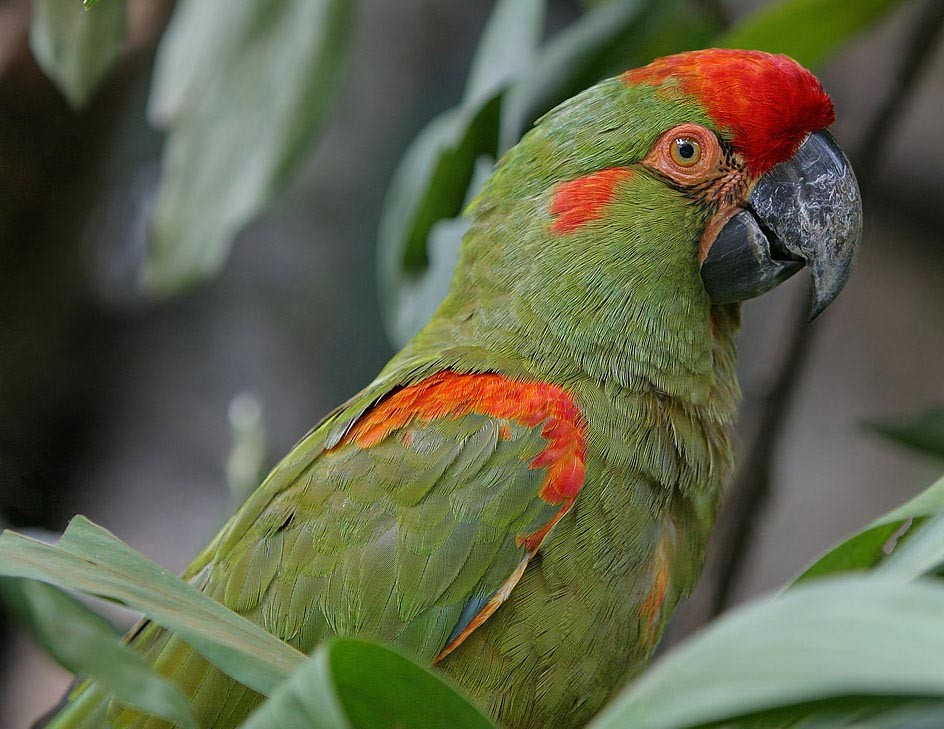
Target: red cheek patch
<point>576,202</point>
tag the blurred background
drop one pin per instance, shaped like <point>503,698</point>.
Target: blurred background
<point>146,377</point>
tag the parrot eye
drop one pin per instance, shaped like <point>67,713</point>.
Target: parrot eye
<point>687,154</point>
<point>686,151</point>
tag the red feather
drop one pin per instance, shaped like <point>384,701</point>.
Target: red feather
<point>768,102</point>
<point>453,395</point>
<point>577,202</point>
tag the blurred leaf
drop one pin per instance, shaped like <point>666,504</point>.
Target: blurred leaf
<point>432,180</point>
<point>507,47</point>
<point>89,4</point>
<point>866,549</point>
<point>76,48</point>
<point>352,683</point>
<point>87,644</point>
<point>808,30</point>
<point>924,432</point>
<point>819,642</point>
<point>242,88</point>
<point>90,559</point>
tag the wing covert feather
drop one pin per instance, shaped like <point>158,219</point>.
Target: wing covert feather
<point>411,522</point>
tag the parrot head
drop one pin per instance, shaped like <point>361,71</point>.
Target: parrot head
<point>622,231</point>
<point>784,193</point>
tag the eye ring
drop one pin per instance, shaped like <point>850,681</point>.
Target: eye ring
<point>685,151</point>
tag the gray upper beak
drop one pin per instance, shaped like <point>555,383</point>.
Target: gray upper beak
<point>806,211</point>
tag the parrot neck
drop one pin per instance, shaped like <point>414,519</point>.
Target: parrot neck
<point>624,338</point>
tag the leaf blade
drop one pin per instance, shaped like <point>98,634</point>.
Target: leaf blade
<point>355,684</point>
<point>808,30</point>
<point>823,641</point>
<point>253,91</point>
<point>923,432</point>
<point>864,550</point>
<point>90,559</point>
<point>85,643</point>
<point>76,48</point>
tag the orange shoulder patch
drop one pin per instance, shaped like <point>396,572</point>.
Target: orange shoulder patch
<point>452,395</point>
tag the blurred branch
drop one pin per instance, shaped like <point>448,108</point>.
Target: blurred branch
<point>922,43</point>
<point>751,489</point>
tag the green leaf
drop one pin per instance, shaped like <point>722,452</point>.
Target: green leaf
<point>924,432</point>
<point>90,559</point>
<point>918,553</point>
<point>808,30</point>
<point>353,684</point>
<point>432,180</point>
<point>242,88</point>
<point>816,643</point>
<point>87,644</point>
<point>507,47</point>
<point>75,48</point>
<point>866,549</point>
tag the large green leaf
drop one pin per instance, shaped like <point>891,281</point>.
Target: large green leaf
<point>352,684</point>
<point>808,30</point>
<point>923,432</point>
<point>90,559</point>
<point>816,643</point>
<point>242,88</point>
<point>87,644</point>
<point>432,180</point>
<point>74,47</point>
<point>866,549</point>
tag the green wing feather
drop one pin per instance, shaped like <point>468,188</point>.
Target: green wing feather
<point>401,541</point>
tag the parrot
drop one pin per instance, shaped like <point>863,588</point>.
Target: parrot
<point>524,494</point>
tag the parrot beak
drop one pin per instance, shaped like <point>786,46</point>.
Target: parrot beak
<point>805,212</point>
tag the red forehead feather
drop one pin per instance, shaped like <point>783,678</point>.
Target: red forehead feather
<point>768,102</point>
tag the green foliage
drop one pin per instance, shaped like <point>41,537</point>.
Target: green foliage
<point>347,683</point>
<point>795,659</point>
<point>432,181</point>
<point>352,683</point>
<point>869,547</point>
<point>874,630</point>
<point>75,48</point>
<point>819,642</point>
<point>923,432</point>
<point>241,88</point>
<point>92,560</point>
<point>808,30</point>
<point>83,642</point>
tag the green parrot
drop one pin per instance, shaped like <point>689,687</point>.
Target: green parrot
<point>524,493</point>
